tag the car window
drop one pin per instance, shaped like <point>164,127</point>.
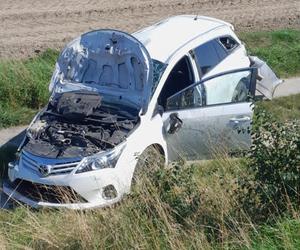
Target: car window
<point>158,70</point>
<point>222,53</point>
<point>190,98</point>
<point>233,87</point>
<point>208,55</point>
<point>229,43</point>
<point>180,77</point>
<point>228,88</point>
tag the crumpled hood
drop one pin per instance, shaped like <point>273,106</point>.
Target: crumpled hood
<point>110,62</point>
<point>267,80</point>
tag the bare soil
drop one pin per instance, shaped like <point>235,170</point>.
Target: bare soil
<point>30,26</point>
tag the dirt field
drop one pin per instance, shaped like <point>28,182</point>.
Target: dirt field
<point>33,25</point>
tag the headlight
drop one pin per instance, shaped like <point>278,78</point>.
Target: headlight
<point>35,126</point>
<point>103,160</point>
<point>35,129</point>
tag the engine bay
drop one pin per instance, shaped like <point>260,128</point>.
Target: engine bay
<point>78,124</point>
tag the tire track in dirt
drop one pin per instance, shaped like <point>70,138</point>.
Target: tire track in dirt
<point>28,25</point>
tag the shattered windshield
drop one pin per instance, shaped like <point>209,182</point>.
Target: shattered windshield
<point>158,70</point>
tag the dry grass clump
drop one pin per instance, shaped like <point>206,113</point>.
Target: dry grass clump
<point>177,208</point>
<point>182,206</point>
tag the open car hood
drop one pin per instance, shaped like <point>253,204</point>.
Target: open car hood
<point>110,62</point>
<point>267,81</point>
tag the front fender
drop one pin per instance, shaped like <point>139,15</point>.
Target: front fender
<point>150,132</point>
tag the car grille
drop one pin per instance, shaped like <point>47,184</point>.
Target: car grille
<point>58,168</point>
<point>47,193</point>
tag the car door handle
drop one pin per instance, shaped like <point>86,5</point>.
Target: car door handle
<point>175,123</point>
<point>237,120</point>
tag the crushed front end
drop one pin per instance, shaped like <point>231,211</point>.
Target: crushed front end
<point>101,85</point>
<point>67,143</point>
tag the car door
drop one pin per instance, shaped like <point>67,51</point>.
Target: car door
<point>210,116</point>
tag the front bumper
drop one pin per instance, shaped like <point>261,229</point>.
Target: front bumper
<point>14,195</point>
<point>91,187</point>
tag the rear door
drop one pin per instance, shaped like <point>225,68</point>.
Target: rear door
<point>211,116</point>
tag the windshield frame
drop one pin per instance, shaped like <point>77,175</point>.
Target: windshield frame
<point>158,71</point>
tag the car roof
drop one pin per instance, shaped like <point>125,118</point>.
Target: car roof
<point>165,37</point>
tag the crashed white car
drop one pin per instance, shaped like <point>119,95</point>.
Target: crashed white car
<point>181,86</point>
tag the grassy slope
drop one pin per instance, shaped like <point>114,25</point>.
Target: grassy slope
<point>284,108</point>
<point>145,221</point>
<point>283,235</point>
<point>281,49</point>
<point>24,83</point>
<point>24,87</point>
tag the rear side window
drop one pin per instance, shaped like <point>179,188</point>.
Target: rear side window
<point>222,53</point>
<point>208,55</point>
<point>229,43</point>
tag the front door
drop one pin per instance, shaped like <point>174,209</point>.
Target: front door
<point>211,116</point>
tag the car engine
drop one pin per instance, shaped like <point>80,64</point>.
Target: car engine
<point>78,124</point>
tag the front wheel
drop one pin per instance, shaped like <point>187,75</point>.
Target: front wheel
<point>148,163</point>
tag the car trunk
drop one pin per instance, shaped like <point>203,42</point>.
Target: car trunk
<point>267,81</point>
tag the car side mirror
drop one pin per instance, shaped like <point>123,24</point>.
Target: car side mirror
<point>175,123</point>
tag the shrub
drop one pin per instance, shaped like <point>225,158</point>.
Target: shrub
<point>274,160</point>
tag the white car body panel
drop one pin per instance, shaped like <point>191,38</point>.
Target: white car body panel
<point>268,81</point>
<point>166,37</point>
<point>209,123</point>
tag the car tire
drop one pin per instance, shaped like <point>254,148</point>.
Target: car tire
<point>148,163</point>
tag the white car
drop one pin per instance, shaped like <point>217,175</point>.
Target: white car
<point>181,86</point>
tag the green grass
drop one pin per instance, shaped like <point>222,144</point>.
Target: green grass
<point>284,108</point>
<point>24,87</point>
<point>10,116</point>
<point>281,49</point>
<point>283,235</point>
<point>24,83</point>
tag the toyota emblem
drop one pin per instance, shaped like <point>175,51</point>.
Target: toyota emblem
<point>45,170</point>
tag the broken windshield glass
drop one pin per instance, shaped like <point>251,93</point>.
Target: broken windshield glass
<point>158,70</point>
